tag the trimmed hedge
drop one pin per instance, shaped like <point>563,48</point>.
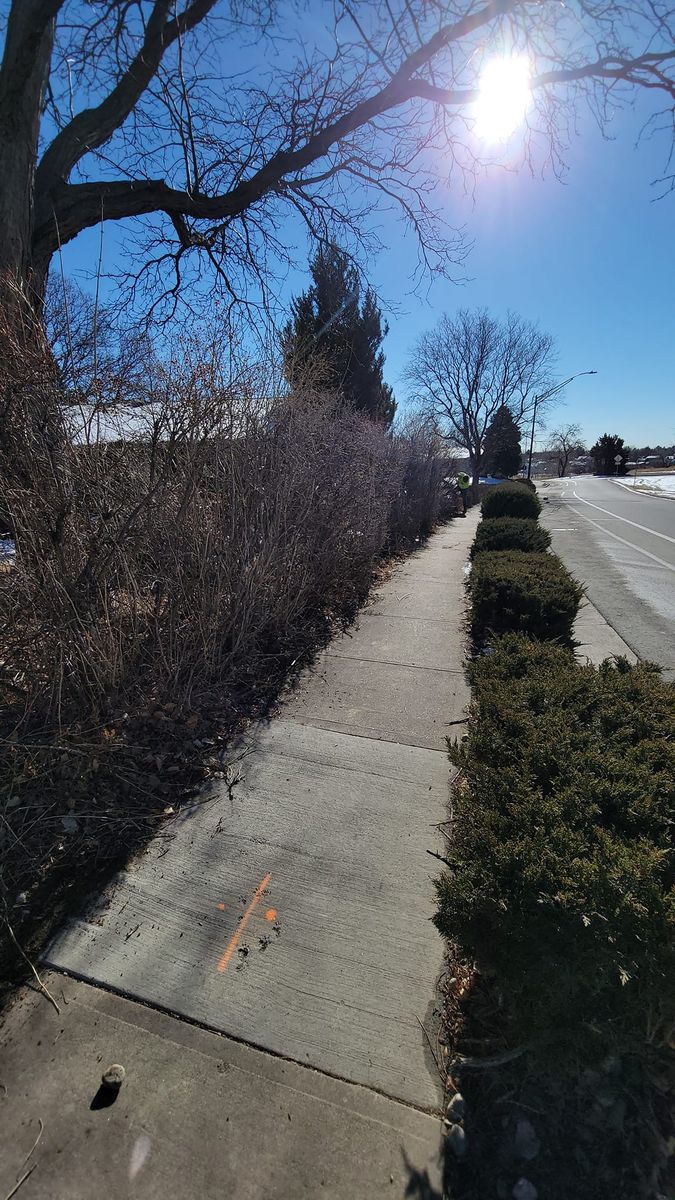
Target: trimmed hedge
<point>513,591</point>
<point>510,533</point>
<point>563,876</point>
<point>511,500</point>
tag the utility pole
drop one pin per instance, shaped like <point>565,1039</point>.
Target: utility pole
<point>547,396</point>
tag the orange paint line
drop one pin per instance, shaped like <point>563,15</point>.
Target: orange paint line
<point>232,944</point>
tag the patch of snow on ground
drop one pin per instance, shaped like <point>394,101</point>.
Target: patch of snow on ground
<point>663,485</point>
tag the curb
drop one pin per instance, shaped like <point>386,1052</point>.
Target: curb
<point>597,639</point>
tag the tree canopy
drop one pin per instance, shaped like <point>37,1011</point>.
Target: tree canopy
<point>209,123</point>
<point>502,453</point>
<point>334,337</point>
<point>607,448</point>
<point>470,366</point>
<point>566,442</point>
<point>97,358</point>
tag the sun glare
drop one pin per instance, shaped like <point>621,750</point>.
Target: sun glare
<point>503,98</point>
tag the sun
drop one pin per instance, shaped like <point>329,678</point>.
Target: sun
<point>503,98</point>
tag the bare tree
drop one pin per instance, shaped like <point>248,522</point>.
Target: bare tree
<point>565,441</point>
<point>161,110</point>
<point>469,367</point>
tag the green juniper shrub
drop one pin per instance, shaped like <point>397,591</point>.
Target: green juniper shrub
<point>563,875</point>
<point>525,482</point>
<point>510,500</point>
<point>513,591</point>
<point>510,533</point>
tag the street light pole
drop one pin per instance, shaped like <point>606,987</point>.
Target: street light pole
<point>546,396</point>
<point>534,418</point>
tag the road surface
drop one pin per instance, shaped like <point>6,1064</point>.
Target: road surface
<point>621,545</point>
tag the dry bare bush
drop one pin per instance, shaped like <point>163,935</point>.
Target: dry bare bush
<point>173,560</point>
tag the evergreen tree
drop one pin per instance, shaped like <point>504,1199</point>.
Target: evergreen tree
<point>333,339</point>
<point>502,454</point>
<point>605,450</point>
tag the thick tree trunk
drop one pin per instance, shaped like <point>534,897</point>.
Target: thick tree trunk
<point>23,78</point>
<point>475,465</point>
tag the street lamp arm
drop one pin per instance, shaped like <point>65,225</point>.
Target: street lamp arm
<point>546,396</point>
<point>559,386</point>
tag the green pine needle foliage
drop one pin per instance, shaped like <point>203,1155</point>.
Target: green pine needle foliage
<point>511,500</point>
<point>518,591</point>
<point>563,877</point>
<point>510,533</point>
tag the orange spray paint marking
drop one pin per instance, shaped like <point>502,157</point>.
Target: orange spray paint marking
<point>232,944</point>
<point>271,914</point>
<point>221,907</point>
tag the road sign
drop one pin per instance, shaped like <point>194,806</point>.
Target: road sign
<point>618,458</point>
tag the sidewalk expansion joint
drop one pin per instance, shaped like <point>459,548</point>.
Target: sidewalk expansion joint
<point>390,616</point>
<point>389,662</point>
<point>369,737</point>
<point>434,1112</point>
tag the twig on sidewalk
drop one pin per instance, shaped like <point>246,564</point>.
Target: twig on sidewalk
<point>441,1072</point>
<point>440,858</point>
<point>34,1143</point>
<point>21,1180</point>
<point>45,990</point>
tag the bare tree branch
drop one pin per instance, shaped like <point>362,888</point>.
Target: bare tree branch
<point>565,441</point>
<point>93,127</point>
<point>212,155</point>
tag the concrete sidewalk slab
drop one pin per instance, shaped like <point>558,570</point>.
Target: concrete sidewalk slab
<point>384,701</point>
<point>198,1116</point>
<point>305,743</point>
<point>352,970</point>
<point>327,836</point>
<point>428,600</point>
<point>405,641</point>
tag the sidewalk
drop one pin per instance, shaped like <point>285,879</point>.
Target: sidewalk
<point>291,913</point>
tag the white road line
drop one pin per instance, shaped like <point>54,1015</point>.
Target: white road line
<point>647,553</point>
<point>644,528</point>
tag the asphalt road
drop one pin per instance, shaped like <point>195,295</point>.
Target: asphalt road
<point>621,545</point>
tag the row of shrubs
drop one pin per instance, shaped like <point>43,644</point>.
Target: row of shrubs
<point>563,874</point>
<point>563,877</point>
<point>515,584</point>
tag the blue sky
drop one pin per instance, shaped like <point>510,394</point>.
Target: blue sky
<point>592,260</point>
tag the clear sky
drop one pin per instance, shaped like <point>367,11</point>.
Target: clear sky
<point>592,260</point>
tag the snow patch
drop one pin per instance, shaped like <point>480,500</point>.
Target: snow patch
<point>656,485</point>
